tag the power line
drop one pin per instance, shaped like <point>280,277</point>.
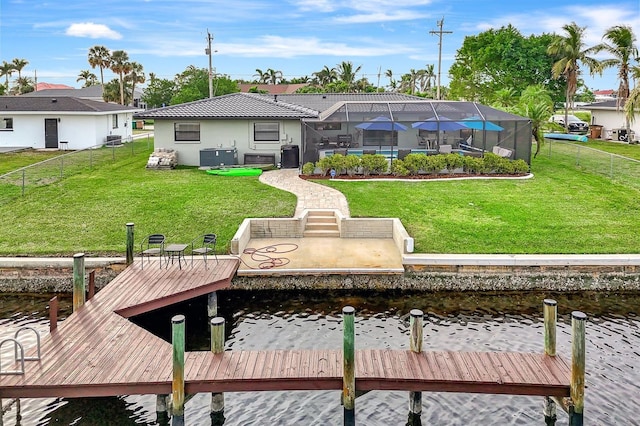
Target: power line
<point>440,32</point>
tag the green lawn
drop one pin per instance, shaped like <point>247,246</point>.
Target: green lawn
<point>631,151</point>
<point>15,160</point>
<point>560,210</point>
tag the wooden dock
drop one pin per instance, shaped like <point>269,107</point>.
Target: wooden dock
<point>97,351</point>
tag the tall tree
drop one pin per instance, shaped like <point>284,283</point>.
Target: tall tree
<point>135,76</point>
<point>6,69</point>
<point>111,91</point>
<point>496,59</point>
<point>18,65</point>
<point>536,104</point>
<point>325,76</point>
<point>570,51</point>
<point>621,44</point>
<point>273,76</point>
<point>347,74</point>
<point>262,77</point>
<point>88,77</point>
<point>392,83</point>
<point>100,56</point>
<point>120,65</point>
<point>23,85</point>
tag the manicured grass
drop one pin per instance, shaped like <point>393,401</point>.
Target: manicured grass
<point>631,151</point>
<point>15,160</point>
<point>560,210</point>
<point>88,212</point>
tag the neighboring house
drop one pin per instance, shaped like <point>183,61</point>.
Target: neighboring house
<point>46,86</point>
<point>272,89</point>
<point>611,117</point>
<point>36,122</point>
<point>312,125</point>
<point>93,93</point>
<point>604,95</point>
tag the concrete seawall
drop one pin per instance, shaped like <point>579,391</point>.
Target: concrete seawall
<point>57,276</point>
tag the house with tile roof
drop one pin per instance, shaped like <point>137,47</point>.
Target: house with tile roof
<point>61,122</point>
<point>93,93</point>
<point>292,129</point>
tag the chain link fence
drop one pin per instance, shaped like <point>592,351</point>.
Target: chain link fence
<point>616,167</point>
<point>18,182</point>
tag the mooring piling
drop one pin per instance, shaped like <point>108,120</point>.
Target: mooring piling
<point>578,359</point>
<point>162,409</point>
<point>349,369</point>
<point>53,313</point>
<point>177,387</point>
<point>550,311</point>
<point>212,304</point>
<point>129,243</point>
<point>217,347</point>
<point>78,281</point>
<point>415,344</point>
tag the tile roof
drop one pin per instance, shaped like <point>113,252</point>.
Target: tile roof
<point>234,105</point>
<point>610,104</point>
<point>57,104</point>
<point>86,92</point>
<point>323,101</point>
<point>272,88</point>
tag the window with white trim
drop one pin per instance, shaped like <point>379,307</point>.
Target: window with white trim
<point>114,120</point>
<point>266,132</point>
<point>187,132</point>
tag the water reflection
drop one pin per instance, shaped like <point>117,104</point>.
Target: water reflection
<point>453,321</point>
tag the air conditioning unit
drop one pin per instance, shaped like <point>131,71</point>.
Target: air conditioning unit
<point>621,135</point>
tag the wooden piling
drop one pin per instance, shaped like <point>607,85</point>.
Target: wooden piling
<point>129,243</point>
<point>349,376</point>
<point>549,411</point>
<point>92,285</point>
<point>162,409</point>
<point>217,347</point>
<point>415,344</point>
<point>578,359</point>
<point>177,387</point>
<point>212,304</point>
<point>78,281</point>
<point>53,313</point>
<point>550,308</point>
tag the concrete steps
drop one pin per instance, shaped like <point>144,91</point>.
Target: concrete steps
<point>322,224</point>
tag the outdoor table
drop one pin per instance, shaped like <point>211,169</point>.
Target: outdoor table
<point>173,250</point>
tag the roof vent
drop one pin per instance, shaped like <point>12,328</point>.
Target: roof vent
<point>275,98</point>
<point>54,100</point>
<point>324,96</point>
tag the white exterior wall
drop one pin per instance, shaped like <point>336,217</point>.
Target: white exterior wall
<point>613,120</point>
<point>80,131</point>
<point>225,134</point>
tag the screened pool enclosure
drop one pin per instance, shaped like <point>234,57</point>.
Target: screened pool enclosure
<point>396,129</point>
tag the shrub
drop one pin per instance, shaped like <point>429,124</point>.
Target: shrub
<point>473,165</point>
<point>351,163</point>
<point>415,162</point>
<point>337,162</point>
<point>491,162</point>
<point>325,165</point>
<point>398,168</point>
<point>376,163</point>
<point>520,166</point>
<point>434,163</point>
<point>453,161</point>
<point>308,168</point>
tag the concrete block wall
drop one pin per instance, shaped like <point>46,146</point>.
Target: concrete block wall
<point>366,228</point>
<point>277,228</point>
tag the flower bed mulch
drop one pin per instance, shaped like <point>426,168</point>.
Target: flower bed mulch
<point>410,177</point>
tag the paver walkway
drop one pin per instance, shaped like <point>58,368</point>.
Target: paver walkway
<point>310,195</point>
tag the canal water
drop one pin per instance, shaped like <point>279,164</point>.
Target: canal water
<point>453,321</point>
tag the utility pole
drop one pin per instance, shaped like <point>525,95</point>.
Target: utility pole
<point>440,32</point>
<point>209,52</point>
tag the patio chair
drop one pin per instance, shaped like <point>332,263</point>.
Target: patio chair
<point>203,245</point>
<point>444,149</point>
<point>152,245</point>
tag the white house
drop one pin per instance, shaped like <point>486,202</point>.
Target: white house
<point>93,93</point>
<point>612,119</point>
<point>292,129</point>
<point>61,122</point>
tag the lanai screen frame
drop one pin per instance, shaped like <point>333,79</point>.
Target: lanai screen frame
<point>342,118</point>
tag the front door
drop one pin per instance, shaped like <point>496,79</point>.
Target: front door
<point>51,133</point>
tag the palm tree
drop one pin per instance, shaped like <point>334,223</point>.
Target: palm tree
<point>88,77</point>
<point>621,45</point>
<point>23,85</point>
<point>392,83</point>
<point>536,104</point>
<point>100,56</point>
<point>326,76</point>
<point>18,65</point>
<point>6,69</point>
<point>273,76</point>
<point>427,75</point>
<point>136,75</point>
<point>505,98</point>
<point>570,51</point>
<point>262,77</point>
<point>120,65</point>
<point>347,74</point>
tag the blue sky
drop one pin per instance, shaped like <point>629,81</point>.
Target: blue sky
<point>297,37</point>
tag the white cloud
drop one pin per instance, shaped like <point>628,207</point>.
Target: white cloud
<point>365,18</point>
<point>91,30</point>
